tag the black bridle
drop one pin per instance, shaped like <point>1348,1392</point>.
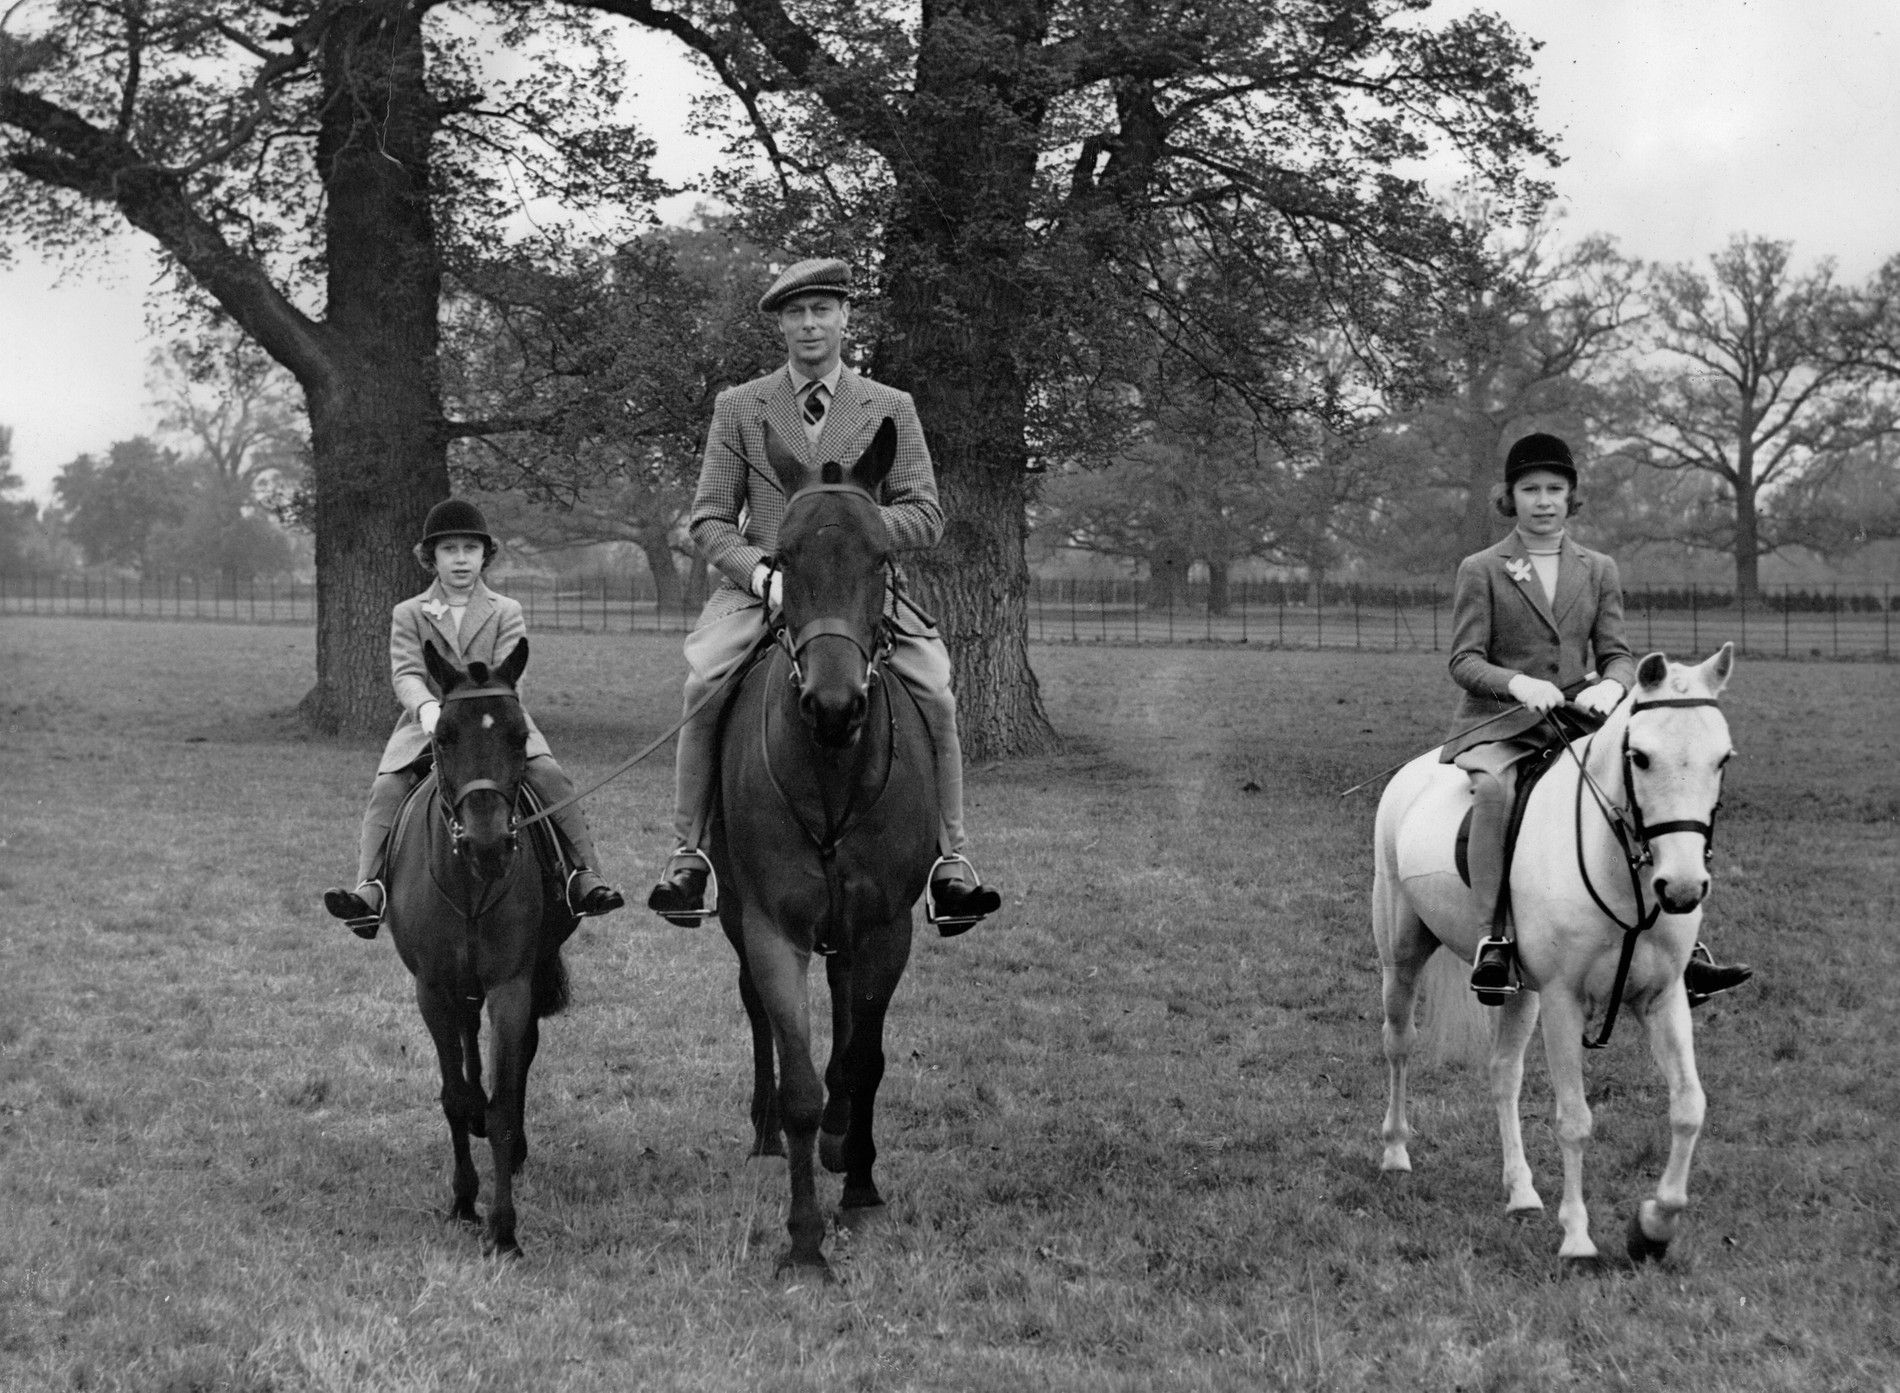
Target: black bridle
<point>1633,837</point>
<point>873,647</point>
<point>450,806</point>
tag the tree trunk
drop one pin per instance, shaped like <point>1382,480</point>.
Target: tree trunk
<point>655,541</point>
<point>1218,593</point>
<point>954,242</point>
<point>1167,579</point>
<point>1747,546</point>
<point>378,452</point>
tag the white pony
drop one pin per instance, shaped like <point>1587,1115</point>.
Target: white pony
<point>1607,885</point>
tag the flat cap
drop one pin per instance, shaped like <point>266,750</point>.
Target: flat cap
<point>825,275</point>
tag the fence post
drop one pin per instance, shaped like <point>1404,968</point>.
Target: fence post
<point>1742,597</point>
<point>1074,637</point>
<point>1170,614</point>
<point>1886,621</point>
<point>1101,608</point>
<point>1434,616</point>
<point>1837,619</point>
<point>1695,620</point>
<point>1243,608</point>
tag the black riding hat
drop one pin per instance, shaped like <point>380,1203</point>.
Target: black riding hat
<point>456,517</point>
<point>1539,451</point>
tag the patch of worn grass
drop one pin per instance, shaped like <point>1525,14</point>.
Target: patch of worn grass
<point>1129,1131</point>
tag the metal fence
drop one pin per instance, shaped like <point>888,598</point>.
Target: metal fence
<point>599,603</point>
<point>1789,621</point>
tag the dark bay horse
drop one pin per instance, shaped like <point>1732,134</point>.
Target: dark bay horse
<point>827,831</point>
<point>479,918</point>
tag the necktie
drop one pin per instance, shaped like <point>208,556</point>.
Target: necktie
<point>815,404</point>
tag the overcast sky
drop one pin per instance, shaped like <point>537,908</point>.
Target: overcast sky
<point>1681,122</point>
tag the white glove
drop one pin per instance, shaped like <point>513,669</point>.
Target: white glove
<point>769,585</point>
<point>1536,693</point>
<point>1601,698</point>
<point>428,714</point>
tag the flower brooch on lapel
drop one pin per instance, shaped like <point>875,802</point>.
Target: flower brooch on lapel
<point>1518,569</point>
<point>435,609</point>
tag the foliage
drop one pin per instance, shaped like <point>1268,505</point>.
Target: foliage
<point>225,400</point>
<point>28,545</point>
<point>114,506</point>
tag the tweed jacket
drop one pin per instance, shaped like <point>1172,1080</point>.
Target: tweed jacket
<point>491,628</point>
<point>1502,626</point>
<point>737,508</point>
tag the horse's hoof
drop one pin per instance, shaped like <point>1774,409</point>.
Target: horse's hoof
<point>509,1251</point>
<point>831,1151</point>
<point>463,1212</point>
<point>796,1269</point>
<point>1643,1248</point>
<point>1582,1265</point>
<point>861,1213</point>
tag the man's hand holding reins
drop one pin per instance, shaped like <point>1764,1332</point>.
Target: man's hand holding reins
<point>1601,698</point>
<point>1539,695</point>
<point>768,583</point>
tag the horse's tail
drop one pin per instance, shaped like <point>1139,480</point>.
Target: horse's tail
<point>550,993</point>
<point>1451,1023</point>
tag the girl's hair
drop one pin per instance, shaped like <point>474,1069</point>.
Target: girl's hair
<point>1507,506</point>
<point>425,556</point>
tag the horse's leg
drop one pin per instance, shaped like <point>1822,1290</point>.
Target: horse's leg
<point>511,1013</point>
<point>768,1137</point>
<point>837,1118</point>
<point>881,959</point>
<point>1405,946</point>
<point>1517,1017</point>
<point>1563,1050</point>
<point>442,1014</point>
<point>779,970</point>
<point>1672,1042</point>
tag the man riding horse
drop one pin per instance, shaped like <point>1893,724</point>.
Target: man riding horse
<point>823,410</point>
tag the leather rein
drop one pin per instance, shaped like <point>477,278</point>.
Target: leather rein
<point>1633,836</point>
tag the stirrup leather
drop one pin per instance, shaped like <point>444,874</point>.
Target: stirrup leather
<point>708,902</point>
<point>930,899</point>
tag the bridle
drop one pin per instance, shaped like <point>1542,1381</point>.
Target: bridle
<point>1633,836</point>
<point>874,648</point>
<point>450,807</point>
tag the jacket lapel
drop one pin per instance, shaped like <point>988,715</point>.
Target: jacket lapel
<point>781,409</point>
<point>435,609</point>
<point>1516,564</point>
<point>1570,580</point>
<point>481,609</point>
<point>849,407</point>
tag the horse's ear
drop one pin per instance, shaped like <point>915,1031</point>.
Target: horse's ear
<point>785,464</point>
<point>445,673</point>
<point>512,666</point>
<point>868,473</point>
<point>1651,671</point>
<point>1715,670</point>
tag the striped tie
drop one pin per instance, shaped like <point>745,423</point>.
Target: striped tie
<point>815,404</point>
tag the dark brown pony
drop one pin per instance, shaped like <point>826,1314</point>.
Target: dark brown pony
<point>479,917</point>
<point>827,832</point>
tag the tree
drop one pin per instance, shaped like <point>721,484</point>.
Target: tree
<point>114,508</point>
<point>224,397</point>
<point>25,549</point>
<point>351,155</point>
<point>1525,347</point>
<point>1023,174</point>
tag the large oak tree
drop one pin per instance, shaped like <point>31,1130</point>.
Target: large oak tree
<point>314,171</point>
<point>1025,176</point>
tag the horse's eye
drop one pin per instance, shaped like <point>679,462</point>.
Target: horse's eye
<point>1639,759</point>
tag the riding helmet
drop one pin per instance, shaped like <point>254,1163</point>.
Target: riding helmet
<point>456,517</point>
<point>1539,451</point>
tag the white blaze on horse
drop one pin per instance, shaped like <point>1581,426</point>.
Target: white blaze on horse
<point>1608,881</point>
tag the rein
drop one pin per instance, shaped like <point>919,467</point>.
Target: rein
<point>1632,838</point>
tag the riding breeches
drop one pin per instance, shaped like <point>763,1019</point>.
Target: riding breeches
<point>919,659</point>
<point>546,777</point>
<point>1493,769</point>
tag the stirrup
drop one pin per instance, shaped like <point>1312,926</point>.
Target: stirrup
<point>366,926</point>
<point>1496,995</point>
<point>949,925</point>
<point>616,900</point>
<point>708,900</point>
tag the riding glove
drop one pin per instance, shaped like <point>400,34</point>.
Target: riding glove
<point>1536,693</point>
<point>1601,698</point>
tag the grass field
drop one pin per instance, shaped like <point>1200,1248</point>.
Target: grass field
<point>1129,1130</point>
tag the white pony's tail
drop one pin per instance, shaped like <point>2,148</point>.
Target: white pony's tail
<point>1451,1023</point>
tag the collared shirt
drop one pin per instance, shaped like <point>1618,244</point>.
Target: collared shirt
<point>802,385</point>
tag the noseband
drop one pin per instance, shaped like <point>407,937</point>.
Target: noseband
<point>452,805</point>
